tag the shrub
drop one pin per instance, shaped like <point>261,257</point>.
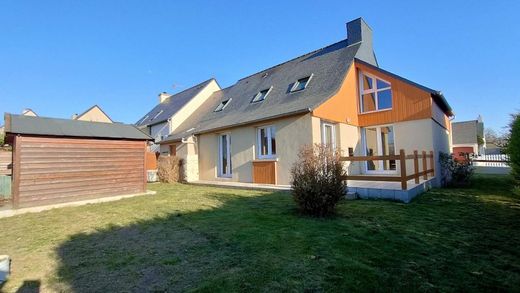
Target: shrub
<point>317,183</point>
<point>513,147</point>
<point>455,172</point>
<point>169,169</point>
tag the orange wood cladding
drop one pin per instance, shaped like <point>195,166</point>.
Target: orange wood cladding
<point>408,102</point>
<point>151,161</point>
<point>50,170</point>
<point>342,107</point>
<point>264,172</point>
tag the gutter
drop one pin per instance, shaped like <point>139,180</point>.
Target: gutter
<point>297,112</point>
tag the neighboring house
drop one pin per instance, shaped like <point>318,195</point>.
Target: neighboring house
<point>29,112</point>
<point>468,138</point>
<point>173,110</point>
<point>93,114</point>
<point>337,95</point>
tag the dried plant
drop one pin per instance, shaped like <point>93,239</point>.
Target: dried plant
<point>317,180</point>
<point>170,169</point>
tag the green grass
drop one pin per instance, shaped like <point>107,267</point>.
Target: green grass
<point>189,238</point>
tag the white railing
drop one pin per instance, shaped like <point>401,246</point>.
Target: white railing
<point>491,160</point>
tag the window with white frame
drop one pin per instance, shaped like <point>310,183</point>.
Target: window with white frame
<point>376,94</point>
<point>266,142</point>
<point>157,115</point>
<point>222,105</point>
<point>260,96</point>
<point>301,84</point>
<point>328,134</point>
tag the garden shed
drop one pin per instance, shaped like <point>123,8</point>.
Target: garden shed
<point>61,160</point>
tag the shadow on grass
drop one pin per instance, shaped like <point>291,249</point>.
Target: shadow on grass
<point>443,241</point>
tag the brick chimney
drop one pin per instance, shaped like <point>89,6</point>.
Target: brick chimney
<point>163,96</point>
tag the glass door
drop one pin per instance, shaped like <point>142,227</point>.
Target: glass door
<point>379,141</point>
<point>224,146</point>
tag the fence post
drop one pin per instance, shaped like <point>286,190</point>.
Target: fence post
<point>432,164</point>
<point>402,160</point>
<point>416,166</point>
<point>424,167</point>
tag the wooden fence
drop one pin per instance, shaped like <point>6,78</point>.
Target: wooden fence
<point>425,160</point>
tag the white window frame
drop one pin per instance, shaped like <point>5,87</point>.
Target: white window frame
<point>379,149</point>
<point>296,83</point>
<point>224,106</point>
<point>333,132</point>
<point>268,132</point>
<point>374,91</point>
<point>259,95</point>
<point>157,115</point>
<point>220,170</point>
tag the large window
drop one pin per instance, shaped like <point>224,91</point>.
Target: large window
<point>266,142</point>
<point>328,135</point>
<point>379,141</point>
<point>224,160</point>
<point>376,94</point>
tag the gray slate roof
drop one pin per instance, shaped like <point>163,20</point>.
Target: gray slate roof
<point>464,132</point>
<point>20,124</point>
<point>171,105</point>
<point>328,67</point>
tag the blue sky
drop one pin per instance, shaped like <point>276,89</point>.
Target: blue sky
<point>61,57</point>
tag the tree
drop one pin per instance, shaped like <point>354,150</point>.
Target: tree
<point>513,146</point>
<point>498,139</point>
<point>2,139</point>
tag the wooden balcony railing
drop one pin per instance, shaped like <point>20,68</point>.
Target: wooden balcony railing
<point>401,158</point>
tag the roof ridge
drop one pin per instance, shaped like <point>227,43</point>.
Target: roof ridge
<point>192,87</point>
<point>280,64</point>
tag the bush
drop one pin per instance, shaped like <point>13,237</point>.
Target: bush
<point>455,172</point>
<point>169,169</point>
<point>513,147</point>
<point>317,183</point>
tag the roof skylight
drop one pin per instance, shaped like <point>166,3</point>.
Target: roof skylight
<point>301,84</point>
<point>156,115</point>
<point>261,95</point>
<point>222,105</point>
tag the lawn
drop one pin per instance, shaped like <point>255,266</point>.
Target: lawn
<point>190,238</point>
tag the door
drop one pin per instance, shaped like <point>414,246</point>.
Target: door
<point>224,155</point>
<point>379,141</point>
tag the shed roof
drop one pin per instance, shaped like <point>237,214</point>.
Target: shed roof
<point>29,125</point>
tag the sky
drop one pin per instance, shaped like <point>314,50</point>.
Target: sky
<point>61,57</point>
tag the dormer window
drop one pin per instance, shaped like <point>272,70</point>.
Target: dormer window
<point>376,94</point>
<point>222,105</point>
<point>301,84</point>
<point>261,95</point>
<point>157,115</point>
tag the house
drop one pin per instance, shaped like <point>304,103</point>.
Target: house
<point>468,138</point>
<point>63,160</point>
<point>173,110</point>
<point>29,112</point>
<point>338,95</point>
<point>93,114</point>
